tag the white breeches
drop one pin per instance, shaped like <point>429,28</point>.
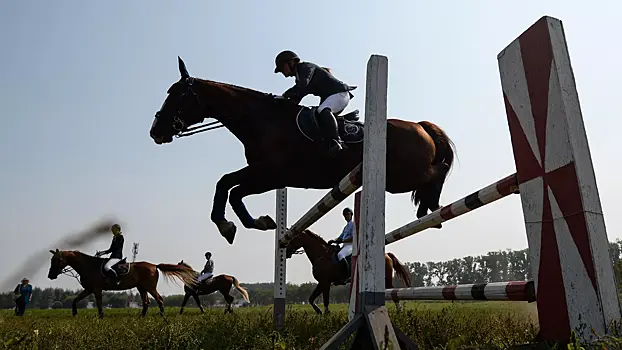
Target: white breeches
<point>205,276</point>
<point>345,251</point>
<point>337,102</point>
<point>110,263</point>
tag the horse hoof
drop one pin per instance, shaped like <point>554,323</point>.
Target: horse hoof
<point>227,229</point>
<point>265,223</point>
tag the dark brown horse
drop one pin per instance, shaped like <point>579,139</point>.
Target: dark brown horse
<point>279,155</point>
<point>140,275</point>
<point>221,283</point>
<point>326,271</point>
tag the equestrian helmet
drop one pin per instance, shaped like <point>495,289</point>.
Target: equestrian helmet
<point>116,229</point>
<point>283,57</point>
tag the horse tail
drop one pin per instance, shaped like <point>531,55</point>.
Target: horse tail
<point>240,289</point>
<point>400,270</point>
<point>183,273</point>
<point>443,160</point>
<point>445,147</point>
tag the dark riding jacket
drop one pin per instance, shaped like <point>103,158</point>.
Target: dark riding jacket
<point>315,80</point>
<point>116,247</point>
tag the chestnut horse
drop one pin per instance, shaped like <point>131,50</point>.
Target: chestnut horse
<point>327,271</point>
<point>221,283</point>
<point>277,136</point>
<point>141,275</point>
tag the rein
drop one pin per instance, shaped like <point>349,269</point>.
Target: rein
<point>69,271</point>
<point>198,129</point>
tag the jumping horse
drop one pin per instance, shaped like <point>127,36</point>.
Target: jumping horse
<point>221,283</point>
<point>327,271</point>
<point>281,149</point>
<point>141,275</point>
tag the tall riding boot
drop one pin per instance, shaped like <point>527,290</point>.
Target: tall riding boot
<point>330,131</point>
<point>113,277</point>
<point>345,266</point>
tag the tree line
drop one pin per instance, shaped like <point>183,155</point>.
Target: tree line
<point>495,266</point>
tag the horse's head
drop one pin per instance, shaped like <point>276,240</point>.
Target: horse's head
<point>57,265</point>
<point>191,100</point>
<point>294,245</point>
<point>181,108</point>
<point>306,239</point>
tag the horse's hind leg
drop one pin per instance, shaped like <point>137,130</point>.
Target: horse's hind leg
<point>158,298</point>
<point>145,299</point>
<point>229,300</point>
<point>430,194</point>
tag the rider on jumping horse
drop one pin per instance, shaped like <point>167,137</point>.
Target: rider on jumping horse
<point>318,81</point>
<point>115,251</point>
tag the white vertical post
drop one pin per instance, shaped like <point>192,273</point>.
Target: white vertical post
<point>372,228</point>
<point>280,261</point>
<point>371,319</point>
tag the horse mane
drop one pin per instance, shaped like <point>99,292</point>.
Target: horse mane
<point>236,88</point>
<point>264,99</point>
<point>183,263</point>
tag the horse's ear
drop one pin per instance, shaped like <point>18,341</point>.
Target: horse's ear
<point>53,252</point>
<point>182,68</point>
<point>181,262</point>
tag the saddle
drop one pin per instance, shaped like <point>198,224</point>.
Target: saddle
<point>122,268</point>
<point>350,127</point>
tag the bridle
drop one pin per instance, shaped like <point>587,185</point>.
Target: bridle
<point>179,125</point>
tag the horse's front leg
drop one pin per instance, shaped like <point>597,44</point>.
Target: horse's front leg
<point>226,228</point>
<point>326,296</point>
<point>198,302</point>
<point>183,303</point>
<point>316,292</point>
<point>74,305</point>
<point>250,187</point>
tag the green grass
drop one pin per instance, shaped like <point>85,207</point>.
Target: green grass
<point>433,325</point>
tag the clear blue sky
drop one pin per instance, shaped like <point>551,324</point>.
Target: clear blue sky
<point>81,81</point>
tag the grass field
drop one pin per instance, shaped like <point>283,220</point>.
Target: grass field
<point>433,325</point>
